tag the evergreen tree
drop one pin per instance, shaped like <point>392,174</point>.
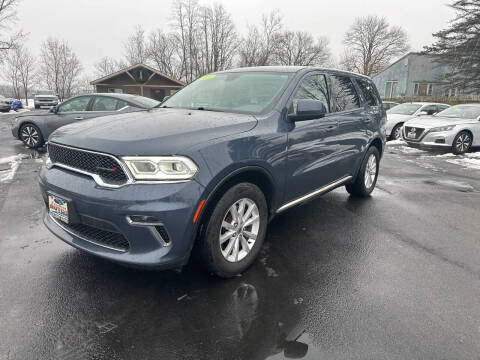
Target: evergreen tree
<point>459,47</point>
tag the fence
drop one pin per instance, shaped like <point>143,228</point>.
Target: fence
<point>450,100</point>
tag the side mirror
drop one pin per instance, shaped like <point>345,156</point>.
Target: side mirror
<point>53,109</point>
<point>166,98</point>
<point>308,109</point>
<point>422,113</point>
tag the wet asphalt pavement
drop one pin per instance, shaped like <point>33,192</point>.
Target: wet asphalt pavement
<point>395,276</point>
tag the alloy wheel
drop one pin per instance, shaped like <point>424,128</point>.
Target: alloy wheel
<point>370,171</point>
<point>463,142</point>
<point>30,135</point>
<point>398,133</point>
<point>239,230</point>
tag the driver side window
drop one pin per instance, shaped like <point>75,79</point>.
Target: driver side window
<point>430,109</point>
<point>313,87</point>
<point>77,104</point>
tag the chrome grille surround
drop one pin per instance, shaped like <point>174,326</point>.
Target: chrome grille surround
<point>88,162</point>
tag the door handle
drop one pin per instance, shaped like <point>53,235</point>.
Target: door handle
<point>79,118</point>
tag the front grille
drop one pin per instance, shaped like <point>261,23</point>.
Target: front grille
<point>105,166</point>
<point>98,232</point>
<point>409,130</point>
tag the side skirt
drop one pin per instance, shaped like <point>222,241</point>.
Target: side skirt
<point>314,193</point>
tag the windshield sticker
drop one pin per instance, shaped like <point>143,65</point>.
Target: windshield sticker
<point>206,77</point>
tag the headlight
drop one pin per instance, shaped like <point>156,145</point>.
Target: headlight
<point>161,167</point>
<point>442,128</point>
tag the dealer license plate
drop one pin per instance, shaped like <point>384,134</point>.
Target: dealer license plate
<point>412,135</point>
<point>58,208</point>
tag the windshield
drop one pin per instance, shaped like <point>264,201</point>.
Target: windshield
<point>145,102</point>
<point>404,109</point>
<point>46,92</point>
<point>461,111</point>
<point>240,92</point>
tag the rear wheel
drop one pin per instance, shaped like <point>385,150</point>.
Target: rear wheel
<point>31,136</point>
<point>367,175</point>
<point>462,143</point>
<point>235,231</point>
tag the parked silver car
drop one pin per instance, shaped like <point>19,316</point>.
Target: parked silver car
<point>457,128</point>
<point>397,115</point>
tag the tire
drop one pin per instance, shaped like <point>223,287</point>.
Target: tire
<point>241,243</point>
<point>31,136</point>
<point>396,132</point>
<point>367,175</point>
<point>462,143</point>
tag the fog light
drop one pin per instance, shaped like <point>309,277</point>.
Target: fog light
<point>143,220</point>
<point>440,141</point>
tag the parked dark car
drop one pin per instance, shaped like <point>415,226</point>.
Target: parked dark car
<point>212,166</point>
<point>5,105</point>
<point>34,127</point>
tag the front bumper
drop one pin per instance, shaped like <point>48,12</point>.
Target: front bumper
<point>431,140</point>
<point>173,204</point>
<point>45,103</point>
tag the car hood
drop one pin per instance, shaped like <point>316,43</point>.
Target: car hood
<point>154,132</point>
<point>46,96</point>
<point>437,121</point>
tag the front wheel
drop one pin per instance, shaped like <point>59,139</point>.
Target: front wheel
<point>462,143</point>
<point>235,231</point>
<point>31,136</point>
<point>396,132</point>
<point>367,175</point>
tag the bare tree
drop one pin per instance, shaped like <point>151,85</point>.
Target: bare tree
<point>218,39</point>
<point>372,43</point>
<point>163,52</point>
<point>106,66</point>
<point>300,48</point>
<point>26,69</point>
<point>258,47</point>
<point>8,16</point>
<point>11,72</point>
<point>136,47</point>
<point>60,67</point>
<point>185,20</point>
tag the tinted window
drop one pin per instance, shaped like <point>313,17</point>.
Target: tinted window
<point>369,92</point>
<point>429,109</point>
<point>312,87</point>
<point>77,104</point>
<point>345,95</point>
<point>442,107</point>
<point>121,104</point>
<point>102,103</point>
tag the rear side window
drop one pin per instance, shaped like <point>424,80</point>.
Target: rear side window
<point>344,93</point>
<point>369,92</point>
<point>102,103</point>
<point>313,87</point>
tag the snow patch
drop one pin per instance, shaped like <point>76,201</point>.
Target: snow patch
<point>14,162</point>
<point>396,142</point>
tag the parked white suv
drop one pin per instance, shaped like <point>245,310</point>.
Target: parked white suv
<point>397,115</point>
<point>45,98</point>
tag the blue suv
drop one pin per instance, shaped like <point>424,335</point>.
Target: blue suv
<point>209,167</point>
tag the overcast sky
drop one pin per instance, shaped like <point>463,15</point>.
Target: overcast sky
<point>98,28</point>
